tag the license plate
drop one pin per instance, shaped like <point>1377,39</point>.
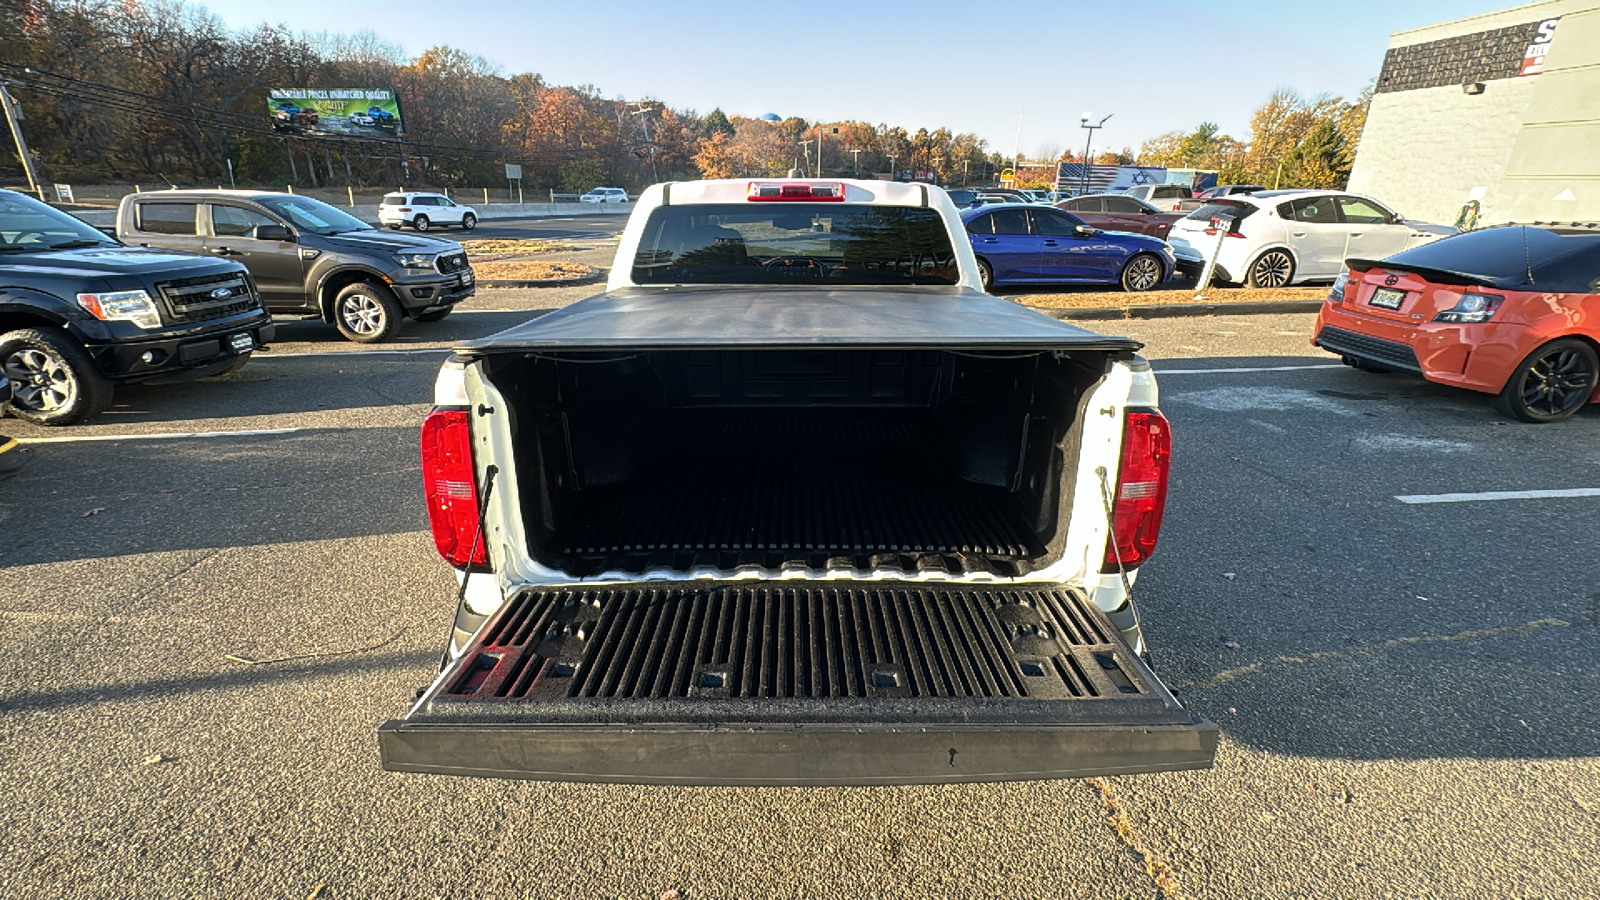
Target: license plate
<point>242,343</point>
<point>1386,298</point>
<point>466,278</point>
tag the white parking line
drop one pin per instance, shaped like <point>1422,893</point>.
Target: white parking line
<point>1247,369</point>
<point>1499,495</point>
<point>163,436</point>
<point>259,357</point>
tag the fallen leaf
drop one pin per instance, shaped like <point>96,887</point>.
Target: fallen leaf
<point>1231,645</point>
<point>156,759</point>
<point>93,512</point>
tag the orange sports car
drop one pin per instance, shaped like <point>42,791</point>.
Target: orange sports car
<point>1512,311</point>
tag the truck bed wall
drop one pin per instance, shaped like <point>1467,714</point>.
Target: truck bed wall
<point>938,458</point>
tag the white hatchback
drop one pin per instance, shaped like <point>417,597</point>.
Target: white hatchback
<point>422,211</point>
<point>1283,237</point>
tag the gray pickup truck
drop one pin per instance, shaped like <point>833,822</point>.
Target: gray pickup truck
<point>308,258</point>
<point>795,502</point>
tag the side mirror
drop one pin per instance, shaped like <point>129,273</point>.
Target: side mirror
<point>273,233</point>
<point>1083,231</point>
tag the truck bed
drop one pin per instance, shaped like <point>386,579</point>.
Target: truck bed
<point>801,683</point>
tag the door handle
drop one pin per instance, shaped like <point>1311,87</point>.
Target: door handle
<point>1049,243</point>
<point>225,251</point>
<point>1299,234</point>
<point>1355,234</point>
<point>990,241</point>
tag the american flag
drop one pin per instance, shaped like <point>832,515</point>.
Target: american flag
<point>1069,177</point>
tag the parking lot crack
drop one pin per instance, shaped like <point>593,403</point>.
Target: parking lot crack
<point>1228,675</point>
<point>1160,872</point>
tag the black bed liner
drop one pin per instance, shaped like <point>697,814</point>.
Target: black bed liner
<point>799,683</point>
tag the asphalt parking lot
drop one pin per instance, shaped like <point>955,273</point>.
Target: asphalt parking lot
<point>215,592</point>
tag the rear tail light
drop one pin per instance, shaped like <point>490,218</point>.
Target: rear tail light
<point>449,481</point>
<point>831,191</point>
<point>1141,495</point>
<point>405,209</point>
<point>1336,293</point>
<point>1472,308</point>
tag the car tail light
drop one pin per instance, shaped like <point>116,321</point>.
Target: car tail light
<point>448,480</point>
<point>831,191</point>
<point>1213,233</point>
<point>1336,293</point>
<point>1472,308</point>
<point>405,209</point>
<point>1141,495</point>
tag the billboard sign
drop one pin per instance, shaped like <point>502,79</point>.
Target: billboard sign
<point>1533,57</point>
<point>335,112</point>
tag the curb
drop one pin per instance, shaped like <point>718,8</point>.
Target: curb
<point>1182,310</point>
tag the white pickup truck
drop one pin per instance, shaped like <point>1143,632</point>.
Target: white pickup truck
<point>795,502</point>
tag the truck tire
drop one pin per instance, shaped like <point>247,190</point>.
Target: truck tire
<point>53,379</point>
<point>366,313</point>
<point>420,223</point>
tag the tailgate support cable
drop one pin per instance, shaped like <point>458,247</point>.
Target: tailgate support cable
<point>477,536</point>
<point>1111,535</point>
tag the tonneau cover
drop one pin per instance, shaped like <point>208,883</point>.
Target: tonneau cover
<point>726,317</point>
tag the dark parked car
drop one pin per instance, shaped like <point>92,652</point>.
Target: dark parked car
<point>81,313</point>
<point>1228,190</point>
<point>962,196</point>
<point>1119,212</point>
<point>309,258</point>
<point>1027,243</point>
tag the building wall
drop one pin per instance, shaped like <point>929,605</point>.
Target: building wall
<point>1429,147</point>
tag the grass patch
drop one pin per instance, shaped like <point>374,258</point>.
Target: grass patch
<point>532,270</point>
<point>502,247</point>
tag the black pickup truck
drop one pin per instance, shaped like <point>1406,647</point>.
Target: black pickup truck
<point>81,313</point>
<point>310,259</point>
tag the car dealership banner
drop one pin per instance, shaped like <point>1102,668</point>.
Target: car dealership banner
<point>342,112</point>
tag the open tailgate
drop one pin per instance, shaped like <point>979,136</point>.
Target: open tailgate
<point>797,683</point>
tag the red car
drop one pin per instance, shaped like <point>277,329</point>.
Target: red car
<point>1512,311</point>
<point>1119,212</point>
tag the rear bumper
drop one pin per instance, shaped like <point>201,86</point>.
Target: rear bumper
<point>1478,357</point>
<point>855,684</point>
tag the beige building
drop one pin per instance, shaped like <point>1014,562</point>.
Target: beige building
<point>1502,109</point>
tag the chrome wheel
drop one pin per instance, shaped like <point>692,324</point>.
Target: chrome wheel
<point>1554,382</point>
<point>39,382</point>
<point>1271,269</point>
<point>1141,274</point>
<point>361,314</point>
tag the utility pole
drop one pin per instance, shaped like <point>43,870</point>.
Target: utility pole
<point>14,118</point>
<point>858,162</point>
<point>649,148</point>
<point>891,170</point>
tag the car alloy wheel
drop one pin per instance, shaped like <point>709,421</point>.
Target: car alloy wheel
<point>1554,382</point>
<point>420,223</point>
<point>40,383</point>
<point>985,274</point>
<point>366,313</point>
<point>1271,269</point>
<point>53,379</point>
<point>1142,273</point>
<point>469,221</point>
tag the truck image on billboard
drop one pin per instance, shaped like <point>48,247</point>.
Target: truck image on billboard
<point>335,112</point>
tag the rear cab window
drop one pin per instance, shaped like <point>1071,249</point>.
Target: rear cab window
<point>167,218</point>
<point>795,242</point>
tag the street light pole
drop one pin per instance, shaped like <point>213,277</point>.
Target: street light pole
<point>1083,186</point>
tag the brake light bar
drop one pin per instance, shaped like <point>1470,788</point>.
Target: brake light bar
<point>1141,495</point>
<point>452,491</point>
<point>807,191</point>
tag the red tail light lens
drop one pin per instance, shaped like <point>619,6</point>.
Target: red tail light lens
<point>832,191</point>
<point>452,491</point>
<point>1141,495</point>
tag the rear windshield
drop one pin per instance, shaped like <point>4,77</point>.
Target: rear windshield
<point>1505,256</point>
<point>393,200</point>
<point>1223,207</point>
<point>784,243</point>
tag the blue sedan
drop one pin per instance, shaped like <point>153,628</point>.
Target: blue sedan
<point>1020,243</point>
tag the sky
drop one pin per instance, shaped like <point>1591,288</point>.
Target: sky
<point>1020,78</point>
